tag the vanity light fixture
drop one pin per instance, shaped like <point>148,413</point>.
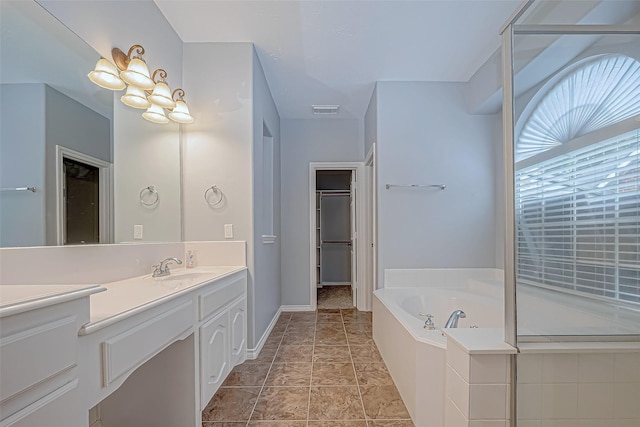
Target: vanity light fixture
<point>180,112</point>
<point>136,72</point>
<point>107,75</point>
<point>143,91</point>
<point>161,94</point>
<point>135,97</point>
<point>155,114</point>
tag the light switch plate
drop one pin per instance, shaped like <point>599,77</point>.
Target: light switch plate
<point>228,231</point>
<point>137,232</point>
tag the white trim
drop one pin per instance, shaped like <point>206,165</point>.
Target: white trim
<point>358,169</point>
<point>105,192</point>
<point>284,308</point>
<point>371,231</point>
<point>253,353</point>
<point>268,239</point>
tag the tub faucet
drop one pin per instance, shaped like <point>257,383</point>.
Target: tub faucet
<point>162,269</point>
<point>428,324</point>
<point>453,319</point>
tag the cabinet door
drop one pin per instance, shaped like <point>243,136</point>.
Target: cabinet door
<point>214,355</point>
<point>238,326</point>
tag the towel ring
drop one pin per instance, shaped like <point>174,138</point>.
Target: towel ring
<point>214,190</point>
<point>152,191</point>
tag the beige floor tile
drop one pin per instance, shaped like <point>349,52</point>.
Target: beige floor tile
<point>246,375</point>
<point>335,403</point>
<point>357,339</point>
<point>282,403</point>
<point>294,354</point>
<point>323,353</point>
<point>372,374</point>
<point>278,423</point>
<point>390,423</point>
<point>289,374</point>
<point>297,338</point>
<point>329,317</point>
<point>333,373</point>
<point>359,328</point>
<point>330,334</point>
<point>224,424</point>
<point>231,404</point>
<point>383,402</point>
<point>328,310</point>
<point>302,328</point>
<point>355,316</point>
<point>266,355</point>
<point>365,353</point>
<point>303,316</point>
<point>350,423</point>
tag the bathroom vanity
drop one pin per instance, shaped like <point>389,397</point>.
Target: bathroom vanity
<point>145,350</point>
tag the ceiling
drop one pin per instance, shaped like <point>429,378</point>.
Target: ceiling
<point>333,51</point>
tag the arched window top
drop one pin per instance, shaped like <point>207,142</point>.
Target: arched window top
<point>597,94</point>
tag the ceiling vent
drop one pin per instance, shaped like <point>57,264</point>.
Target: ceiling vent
<point>325,109</point>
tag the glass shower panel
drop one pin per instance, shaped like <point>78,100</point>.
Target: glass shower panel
<point>577,186</point>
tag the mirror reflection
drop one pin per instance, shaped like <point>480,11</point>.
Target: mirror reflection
<point>75,167</point>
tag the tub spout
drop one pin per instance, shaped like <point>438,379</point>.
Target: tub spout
<point>453,319</point>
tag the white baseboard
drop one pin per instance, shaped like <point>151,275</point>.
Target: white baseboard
<point>252,353</point>
<point>296,308</point>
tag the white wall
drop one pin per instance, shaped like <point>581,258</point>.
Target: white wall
<point>267,255</point>
<point>302,142</point>
<point>22,160</point>
<point>371,122</point>
<point>425,136</point>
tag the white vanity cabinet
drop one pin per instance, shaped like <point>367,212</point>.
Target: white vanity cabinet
<point>39,331</point>
<point>222,333</point>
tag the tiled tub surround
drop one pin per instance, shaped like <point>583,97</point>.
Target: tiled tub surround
<point>315,369</point>
<point>578,389</point>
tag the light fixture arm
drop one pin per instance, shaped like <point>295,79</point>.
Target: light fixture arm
<point>180,93</point>
<point>121,59</point>
<point>163,74</point>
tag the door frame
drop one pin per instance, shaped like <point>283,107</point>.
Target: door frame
<point>105,186</point>
<point>371,204</point>
<point>357,169</point>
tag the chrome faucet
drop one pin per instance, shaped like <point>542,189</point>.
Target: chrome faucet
<point>428,324</point>
<point>162,269</point>
<point>453,319</point>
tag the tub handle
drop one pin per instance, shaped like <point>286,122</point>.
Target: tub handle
<point>428,324</point>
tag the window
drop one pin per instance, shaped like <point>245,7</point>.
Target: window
<point>577,195</point>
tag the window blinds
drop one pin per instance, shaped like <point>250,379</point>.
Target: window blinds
<point>578,220</point>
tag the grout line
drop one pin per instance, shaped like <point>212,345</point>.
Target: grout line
<point>353,366</point>
<point>313,352</point>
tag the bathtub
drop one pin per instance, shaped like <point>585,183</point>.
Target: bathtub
<point>415,356</point>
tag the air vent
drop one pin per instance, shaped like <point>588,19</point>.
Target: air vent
<point>325,109</point>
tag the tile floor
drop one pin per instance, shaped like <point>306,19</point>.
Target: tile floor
<point>317,369</point>
<point>335,297</point>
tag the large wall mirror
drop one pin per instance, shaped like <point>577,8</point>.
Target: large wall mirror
<point>76,165</point>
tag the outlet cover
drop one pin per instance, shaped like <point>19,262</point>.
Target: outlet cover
<point>137,232</point>
<point>228,231</point>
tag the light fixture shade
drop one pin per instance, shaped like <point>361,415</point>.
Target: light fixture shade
<point>155,114</point>
<point>135,97</point>
<point>106,75</point>
<point>137,74</point>
<point>180,113</point>
<point>162,95</point>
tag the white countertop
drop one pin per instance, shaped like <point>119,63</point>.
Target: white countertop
<point>125,298</point>
<point>16,299</point>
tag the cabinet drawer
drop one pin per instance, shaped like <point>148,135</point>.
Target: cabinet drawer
<point>42,352</point>
<point>228,290</point>
<point>135,346</point>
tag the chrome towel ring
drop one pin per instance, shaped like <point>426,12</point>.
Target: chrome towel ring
<point>152,198</point>
<point>213,196</point>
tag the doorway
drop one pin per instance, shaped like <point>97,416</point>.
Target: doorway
<point>334,219</point>
<point>83,198</point>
